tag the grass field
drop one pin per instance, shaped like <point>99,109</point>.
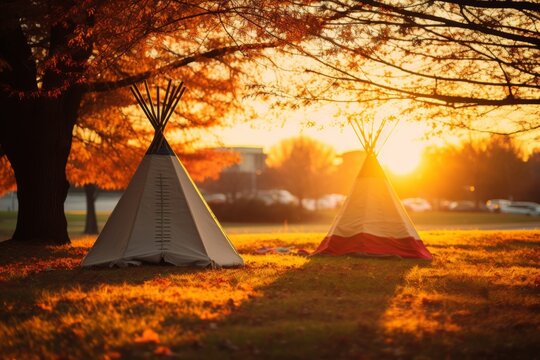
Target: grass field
<point>424,221</point>
<point>478,298</point>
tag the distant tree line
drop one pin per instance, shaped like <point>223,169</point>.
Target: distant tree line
<point>478,170</point>
<point>474,170</point>
<point>301,165</point>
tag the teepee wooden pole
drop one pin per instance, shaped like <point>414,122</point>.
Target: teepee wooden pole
<point>157,104</point>
<point>149,99</point>
<point>171,99</point>
<point>138,96</point>
<point>390,133</point>
<point>356,132</point>
<point>164,107</point>
<point>161,114</point>
<point>175,98</point>
<point>166,110</point>
<point>378,133</point>
<point>174,106</point>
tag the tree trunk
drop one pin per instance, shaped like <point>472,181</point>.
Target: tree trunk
<point>41,190</point>
<point>39,157</point>
<point>91,224</point>
<point>36,125</point>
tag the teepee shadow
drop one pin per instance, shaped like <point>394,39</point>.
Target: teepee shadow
<point>54,268</point>
<point>329,308</point>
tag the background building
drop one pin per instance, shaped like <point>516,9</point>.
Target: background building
<point>240,179</point>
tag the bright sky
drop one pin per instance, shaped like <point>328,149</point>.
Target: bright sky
<point>401,153</point>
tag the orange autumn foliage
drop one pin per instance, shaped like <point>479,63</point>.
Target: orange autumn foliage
<point>207,163</point>
<point>7,178</point>
<point>147,336</point>
<point>111,139</point>
<point>63,51</point>
<point>105,150</point>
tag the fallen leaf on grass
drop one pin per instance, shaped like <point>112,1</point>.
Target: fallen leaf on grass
<point>163,350</point>
<point>147,336</point>
<point>44,306</point>
<point>162,282</point>
<point>228,345</point>
<point>112,355</point>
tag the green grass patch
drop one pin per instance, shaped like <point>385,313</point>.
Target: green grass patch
<point>478,298</point>
<point>427,220</point>
<point>75,220</point>
<point>446,218</point>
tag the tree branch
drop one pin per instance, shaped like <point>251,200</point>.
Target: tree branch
<point>499,4</point>
<point>449,100</point>
<point>211,54</point>
<point>451,23</point>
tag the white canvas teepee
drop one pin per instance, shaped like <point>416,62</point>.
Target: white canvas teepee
<point>162,216</point>
<point>372,220</point>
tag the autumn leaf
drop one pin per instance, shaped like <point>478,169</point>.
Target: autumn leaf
<point>163,350</point>
<point>162,282</point>
<point>147,336</point>
<point>43,306</point>
<point>112,355</point>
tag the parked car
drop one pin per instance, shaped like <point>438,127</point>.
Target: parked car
<point>416,204</point>
<point>216,198</point>
<point>309,204</point>
<point>325,202</point>
<point>462,205</point>
<point>495,205</point>
<point>330,201</point>
<point>522,207</point>
<point>276,196</point>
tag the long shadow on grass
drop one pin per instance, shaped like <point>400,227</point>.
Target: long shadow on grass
<point>326,308</point>
<point>59,266</point>
<point>330,308</point>
<point>55,267</point>
<point>29,271</point>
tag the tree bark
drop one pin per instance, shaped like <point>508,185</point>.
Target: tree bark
<point>41,191</point>
<point>36,127</point>
<point>39,157</point>
<point>91,224</point>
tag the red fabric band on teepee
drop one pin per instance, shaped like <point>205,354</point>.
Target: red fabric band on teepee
<point>368,244</point>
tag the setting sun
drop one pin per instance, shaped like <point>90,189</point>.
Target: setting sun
<point>403,150</point>
<point>401,153</point>
<point>401,160</point>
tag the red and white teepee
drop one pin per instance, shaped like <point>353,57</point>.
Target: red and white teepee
<point>372,220</point>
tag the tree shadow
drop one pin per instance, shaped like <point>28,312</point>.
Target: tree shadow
<point>19,260</point>
<point>466,316</point>
<point>28,271</point>
<point>467,303</point>
<point>330,308</point>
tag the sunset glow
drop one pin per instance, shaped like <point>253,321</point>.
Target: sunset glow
<point>400,154</point>
<point>270,179</point>
<point>400,159</point>
<point>403,150</point>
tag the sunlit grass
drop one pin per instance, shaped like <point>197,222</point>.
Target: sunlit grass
<point>440,220</point>
<point>479,297</point>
